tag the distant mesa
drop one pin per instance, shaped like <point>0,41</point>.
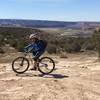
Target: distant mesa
<point>47,24</point>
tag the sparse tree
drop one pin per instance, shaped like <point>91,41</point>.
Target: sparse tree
<point>96,39</point>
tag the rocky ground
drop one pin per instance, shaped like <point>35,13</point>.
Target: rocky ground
<point>75,78</point>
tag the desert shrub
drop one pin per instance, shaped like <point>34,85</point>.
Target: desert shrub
<point>90,46</point>
<point>96,39</point>
<point>51,49</point>
<point>20,45</point>
<point>76,47</point>
<point>63,55</point>
<point>56,43</point>
<point>1,51</point>
<point>72,45</point>
<point>68,48</point>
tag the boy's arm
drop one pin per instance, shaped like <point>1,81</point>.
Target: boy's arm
<point>28,48</point>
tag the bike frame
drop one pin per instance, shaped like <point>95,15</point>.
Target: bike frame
<point>30,59</point>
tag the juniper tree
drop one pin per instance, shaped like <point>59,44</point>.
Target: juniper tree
<point>96,39</point>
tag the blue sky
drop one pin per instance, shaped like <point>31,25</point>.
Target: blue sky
<point>61,10</point>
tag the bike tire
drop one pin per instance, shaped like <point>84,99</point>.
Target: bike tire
<point>53,65</point>
<point>15,60</point>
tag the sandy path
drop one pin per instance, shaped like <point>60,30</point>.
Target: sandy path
<point>76,78</point>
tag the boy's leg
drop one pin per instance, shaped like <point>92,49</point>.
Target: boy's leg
<point>36,60</point>
<point>35,65</point>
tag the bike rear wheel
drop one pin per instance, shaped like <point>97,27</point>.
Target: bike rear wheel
<point>20,65</point>
<point>46,65</point>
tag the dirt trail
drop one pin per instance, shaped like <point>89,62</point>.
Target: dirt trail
<point>75,78</point>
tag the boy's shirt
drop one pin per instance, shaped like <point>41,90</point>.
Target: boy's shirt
<point>35,47</point>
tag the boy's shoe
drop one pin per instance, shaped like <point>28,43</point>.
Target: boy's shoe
<point>34,68</point>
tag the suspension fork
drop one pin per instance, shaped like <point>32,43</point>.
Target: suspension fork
<point>22,62</point>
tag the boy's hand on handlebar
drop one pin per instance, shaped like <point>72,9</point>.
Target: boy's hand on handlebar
<point>25,53</point>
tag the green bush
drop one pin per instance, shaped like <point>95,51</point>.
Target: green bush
<point>56,43</point>
<point>51,49</point>
<point>96,40</point>
<point>1,51</point>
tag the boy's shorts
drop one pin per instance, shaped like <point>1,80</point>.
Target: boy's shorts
<point>37,55</point>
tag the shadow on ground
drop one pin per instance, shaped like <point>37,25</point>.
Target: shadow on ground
<point>57,76</point>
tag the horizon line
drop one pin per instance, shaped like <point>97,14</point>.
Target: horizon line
<point>46,20</point>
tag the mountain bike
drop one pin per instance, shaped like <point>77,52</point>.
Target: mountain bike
<point>46,65</point>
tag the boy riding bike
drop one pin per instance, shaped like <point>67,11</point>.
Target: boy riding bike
<point>36,47</point>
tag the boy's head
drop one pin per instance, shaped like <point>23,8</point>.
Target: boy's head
<point>33,37</point>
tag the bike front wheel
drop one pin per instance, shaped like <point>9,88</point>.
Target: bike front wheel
<point>46,65</point>
<point>20,65</point>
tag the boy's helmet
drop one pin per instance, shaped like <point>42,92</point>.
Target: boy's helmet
<point>33,36</point>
